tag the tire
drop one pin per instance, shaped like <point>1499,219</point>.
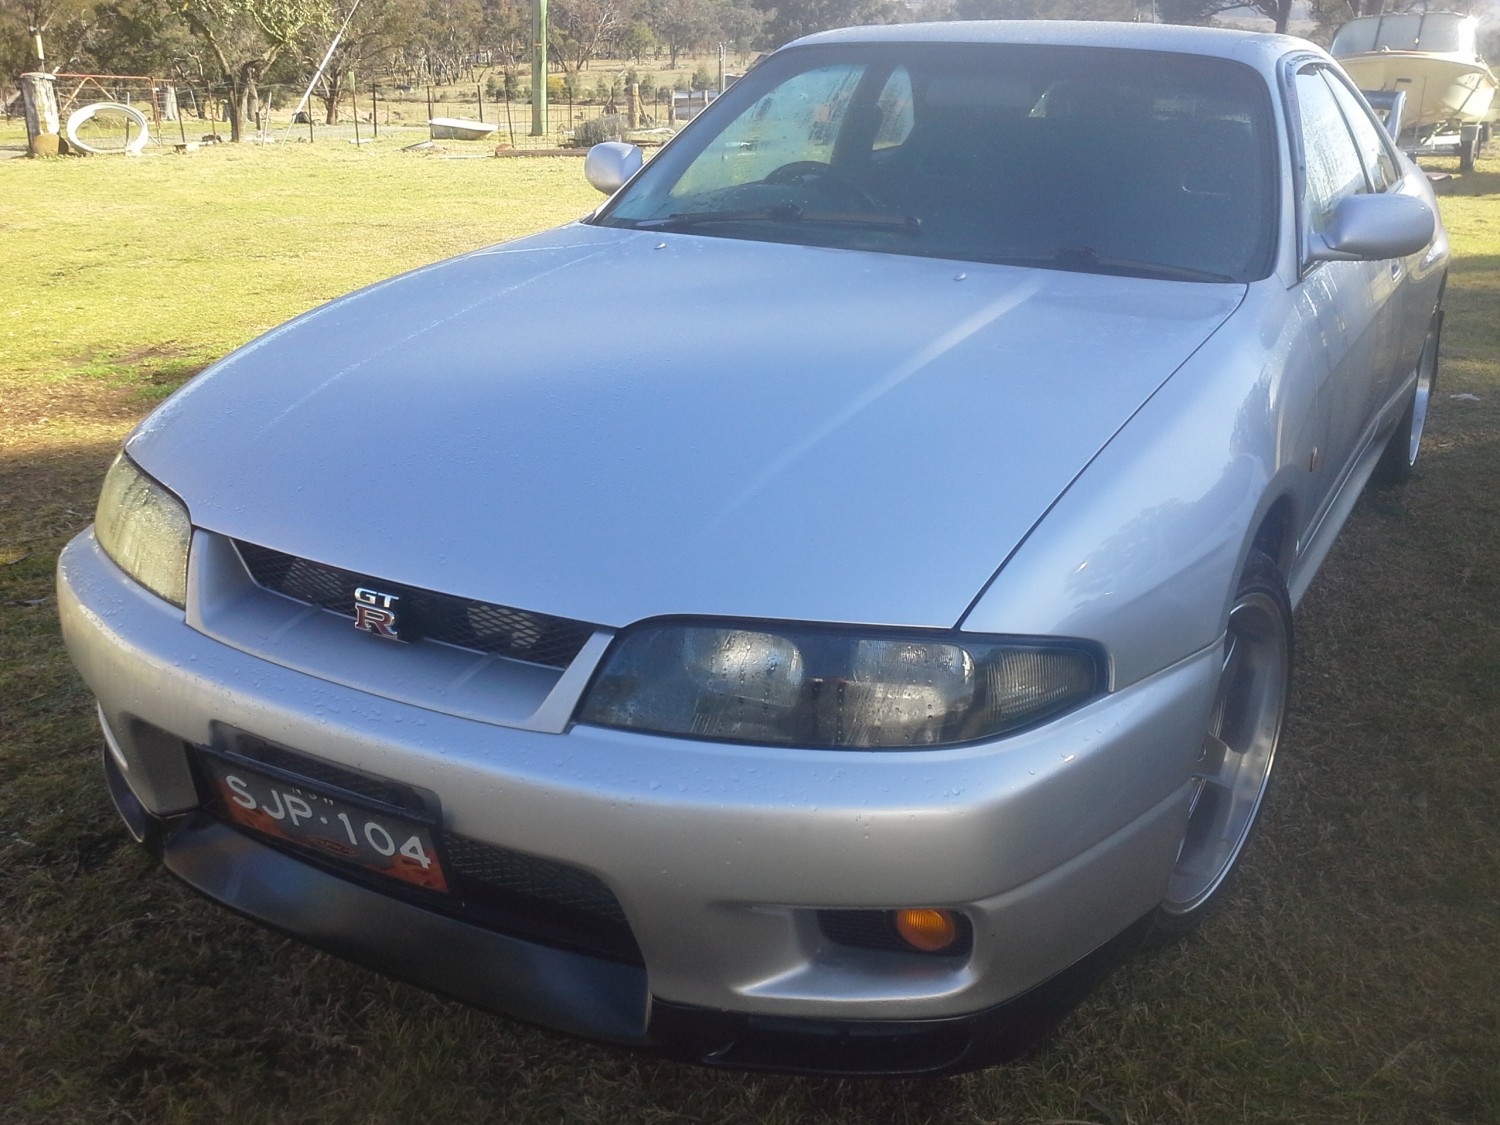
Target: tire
<point>1468,147</point>
<point>1400,454</point>
<point>1234,768</point>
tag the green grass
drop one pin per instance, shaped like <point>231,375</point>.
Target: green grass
<point>154,264</point>
<point>1354,977</point>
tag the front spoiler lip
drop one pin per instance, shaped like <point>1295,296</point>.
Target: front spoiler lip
<point>572,992</point>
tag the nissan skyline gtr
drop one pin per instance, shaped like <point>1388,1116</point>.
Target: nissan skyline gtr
<point>840,681</point>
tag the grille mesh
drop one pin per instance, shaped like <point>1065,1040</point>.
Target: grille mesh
<point>533,876</point>
<point>482,626</point>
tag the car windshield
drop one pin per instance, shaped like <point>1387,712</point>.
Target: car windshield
<point>1087,159</point>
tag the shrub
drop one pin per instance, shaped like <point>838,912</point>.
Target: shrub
<point>702,79</point>
<point>598,129</point>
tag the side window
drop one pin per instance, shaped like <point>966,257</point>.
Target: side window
<point>1368,135</point>
<point>1334,167</point>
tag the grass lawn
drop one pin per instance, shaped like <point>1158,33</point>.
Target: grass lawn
<point>1355,976</point>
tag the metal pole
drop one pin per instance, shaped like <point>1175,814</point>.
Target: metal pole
<point>374,110</point>
<point>539,68</point>
<point>301,105</point>
<point>479,96</point>
<point>354,104</point>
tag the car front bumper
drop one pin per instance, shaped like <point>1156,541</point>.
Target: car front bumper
<point>1052,843</point>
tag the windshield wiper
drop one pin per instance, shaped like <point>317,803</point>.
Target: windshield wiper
<point>1086,259</point>
<point>785,213</point>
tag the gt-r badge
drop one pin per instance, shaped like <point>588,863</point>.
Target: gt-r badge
<point>375,612</point>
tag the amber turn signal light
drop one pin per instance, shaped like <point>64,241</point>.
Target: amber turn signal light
<point>931,931</point>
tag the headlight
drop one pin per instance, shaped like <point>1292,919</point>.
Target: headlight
<point>823,687</point>
<point>145,529</point>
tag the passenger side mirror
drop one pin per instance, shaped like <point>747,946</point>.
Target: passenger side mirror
<point>1368,228</point>
<point>610,164</point>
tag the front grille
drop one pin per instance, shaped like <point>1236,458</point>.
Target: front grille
<point>509,891</point>
<point>536,638</point>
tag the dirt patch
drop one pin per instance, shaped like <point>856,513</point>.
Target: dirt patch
<point>56,440</point>
<point>37,415</point>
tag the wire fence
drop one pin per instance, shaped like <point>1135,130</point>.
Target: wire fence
<point>195,112</point>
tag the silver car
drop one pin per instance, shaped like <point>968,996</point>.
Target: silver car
<point>815,612</point>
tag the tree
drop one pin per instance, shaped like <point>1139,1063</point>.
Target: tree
<point>375,32</point>
<point>1279,12</point>
<point>244,38</point>
<point>581,28</point>
<point>637,40</point>
<point>141,37</point>
<point>507,30</point>
<point>63,25</point>
<point>683,25</point>
<point>1040,9</point>
<point>447,39</point>
<point>791,19</point>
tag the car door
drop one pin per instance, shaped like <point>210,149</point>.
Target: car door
<point>1407,314</point>
<point>1353,303</point>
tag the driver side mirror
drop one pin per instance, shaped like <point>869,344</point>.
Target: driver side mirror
<point>610,164</point>
<point>1369,228</point>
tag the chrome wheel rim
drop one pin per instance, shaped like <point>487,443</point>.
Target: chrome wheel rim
<point>1426,376</point>
<point>1234,765</point>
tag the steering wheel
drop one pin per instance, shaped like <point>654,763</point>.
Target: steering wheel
<point>816,174</point>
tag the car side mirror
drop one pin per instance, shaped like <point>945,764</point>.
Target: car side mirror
<point>1368,228</point>
<point>610,164</point>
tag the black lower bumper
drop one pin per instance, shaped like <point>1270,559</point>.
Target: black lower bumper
<point>572,992</point>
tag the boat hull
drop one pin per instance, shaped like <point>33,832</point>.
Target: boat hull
<point>1438,90</point>
<point>457,129</point>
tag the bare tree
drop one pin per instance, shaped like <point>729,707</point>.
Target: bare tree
<point>581,29</point>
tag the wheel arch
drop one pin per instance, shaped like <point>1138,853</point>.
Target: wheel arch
<point>1273,536</point>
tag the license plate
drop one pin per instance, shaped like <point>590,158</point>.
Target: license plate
<point>375,841</point>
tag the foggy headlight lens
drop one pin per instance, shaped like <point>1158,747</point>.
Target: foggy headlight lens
<point>808,686</point>
<point>145,530</point>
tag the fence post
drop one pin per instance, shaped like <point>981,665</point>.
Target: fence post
<point>633,105</point>
<point>39,90</point>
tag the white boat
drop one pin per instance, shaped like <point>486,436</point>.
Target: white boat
<point>458,129</point>
<point>1431,56</point>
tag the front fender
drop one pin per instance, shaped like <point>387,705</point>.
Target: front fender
<point>1141,553</point>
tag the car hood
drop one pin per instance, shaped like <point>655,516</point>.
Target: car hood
<point>612,425</point>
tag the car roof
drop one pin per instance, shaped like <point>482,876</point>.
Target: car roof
<point>1255,48</point>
